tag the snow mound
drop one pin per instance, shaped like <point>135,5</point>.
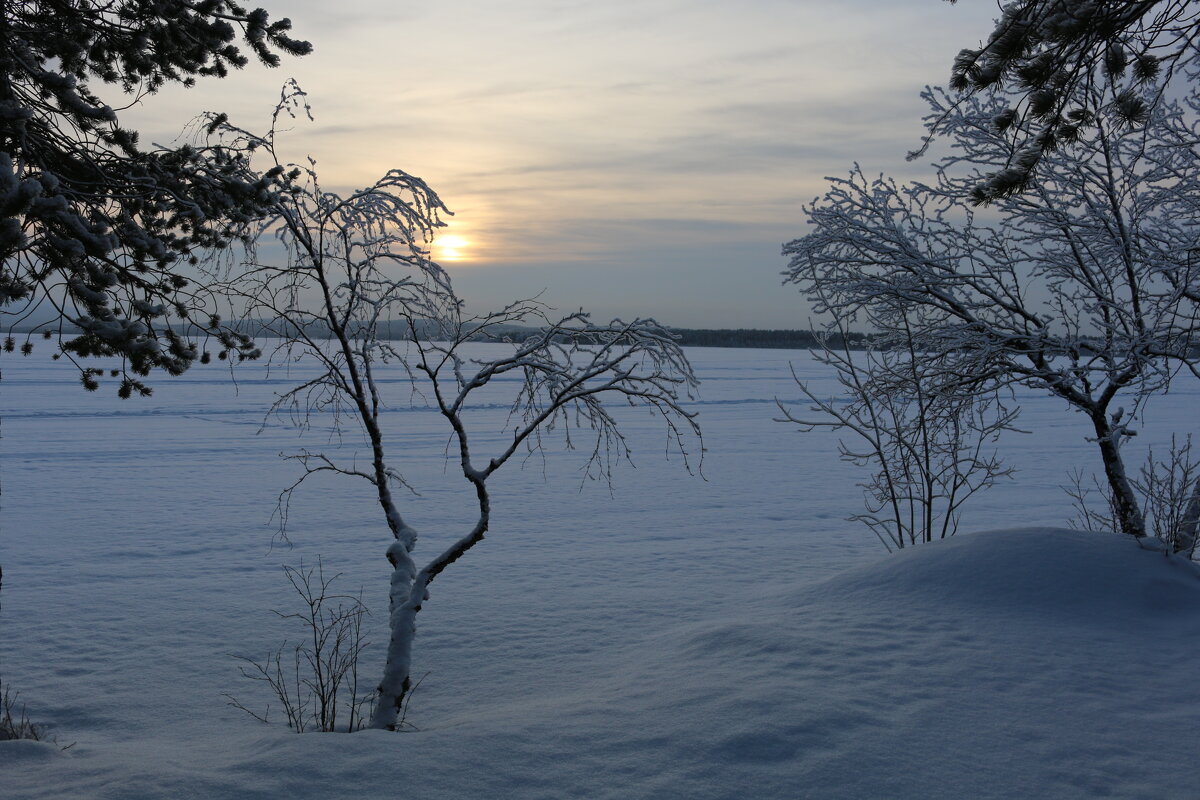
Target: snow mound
<point>1031,663</point>
<point>1064,575</point>
<point>17,752</point>
<point>1036,662</point>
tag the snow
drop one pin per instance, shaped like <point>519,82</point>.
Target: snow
<point>705,637</point>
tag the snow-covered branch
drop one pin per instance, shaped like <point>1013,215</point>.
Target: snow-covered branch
<point>357,274</point>
<point>1083,285</point>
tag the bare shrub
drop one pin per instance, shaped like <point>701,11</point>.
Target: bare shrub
<point>1169,489</point>
<point>928,436</point>
<point>14,722</point>
<point>316,680</point>
<point>1092,503</point>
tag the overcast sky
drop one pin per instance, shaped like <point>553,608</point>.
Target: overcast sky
<point>634,158</point>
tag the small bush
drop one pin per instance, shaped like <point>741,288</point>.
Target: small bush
<point>1169,490</point>
<point>316,681</point>
<point>14,722</point>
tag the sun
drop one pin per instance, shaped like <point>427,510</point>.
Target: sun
<point>450,248</point>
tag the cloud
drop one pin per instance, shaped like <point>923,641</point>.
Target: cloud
<point>570,135</point>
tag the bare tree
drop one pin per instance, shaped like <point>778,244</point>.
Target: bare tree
<point>1085,285</point>
<point>926,431</point>
<point>356,270</point>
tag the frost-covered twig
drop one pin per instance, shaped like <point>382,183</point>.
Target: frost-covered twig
<point>357,272</point>
<point>1083,286</point>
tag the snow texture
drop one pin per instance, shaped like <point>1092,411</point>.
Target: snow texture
<point>719,638</point>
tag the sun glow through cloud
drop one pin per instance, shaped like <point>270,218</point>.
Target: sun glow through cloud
<point>451,248</point>
<point>588,148</point>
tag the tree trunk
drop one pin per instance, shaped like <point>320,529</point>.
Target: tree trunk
<point>1125,503</point>
<point>410,589</point>
<point>404,601</point>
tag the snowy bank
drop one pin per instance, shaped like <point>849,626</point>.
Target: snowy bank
<point>1036,663</point>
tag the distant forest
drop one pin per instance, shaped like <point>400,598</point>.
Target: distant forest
<point>692,337</point>
<point>754,337</point>
<point>689,337</point>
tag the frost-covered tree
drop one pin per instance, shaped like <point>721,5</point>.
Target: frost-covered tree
<point>357,269</point>
<point>95,229</point>
<point>1085,285</point>
<point>1048,57</point>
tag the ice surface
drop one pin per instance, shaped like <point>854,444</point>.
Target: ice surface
<point>730,636</point>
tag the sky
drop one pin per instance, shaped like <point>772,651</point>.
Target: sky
<point>632,158</point>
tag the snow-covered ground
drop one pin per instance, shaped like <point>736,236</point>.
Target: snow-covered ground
<point>720,636</point>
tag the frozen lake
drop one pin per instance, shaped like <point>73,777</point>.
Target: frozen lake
<point>138,545</point>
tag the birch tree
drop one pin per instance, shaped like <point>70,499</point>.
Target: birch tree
<point>1085,285</point>
<point>357,268</point>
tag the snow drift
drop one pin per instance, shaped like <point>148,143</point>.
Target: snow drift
<point>1034,662</point>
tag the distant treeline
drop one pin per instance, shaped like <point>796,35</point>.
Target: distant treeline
<point>754,337</point>
<point>689,337</point>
